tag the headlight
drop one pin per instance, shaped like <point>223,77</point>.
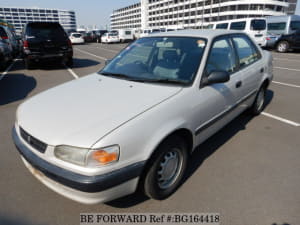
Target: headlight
<point>88,157</point>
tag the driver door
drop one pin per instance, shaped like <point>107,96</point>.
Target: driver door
<point>215,105</point>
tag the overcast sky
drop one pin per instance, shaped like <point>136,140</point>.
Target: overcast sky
<point>88,12</point>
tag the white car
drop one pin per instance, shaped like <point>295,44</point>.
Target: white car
<point>110,38</point>
<point>76,38</point>
<point>142,115</point>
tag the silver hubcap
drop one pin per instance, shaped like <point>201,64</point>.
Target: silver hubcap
<point>260,99</point>
<point>282,47</point>
<point>169,168</point>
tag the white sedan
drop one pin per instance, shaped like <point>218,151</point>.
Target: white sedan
<point>139,118</point>
<point>110,38</point>
<point>76,38</point>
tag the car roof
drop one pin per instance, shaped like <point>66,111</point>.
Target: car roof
<point>205,33</point>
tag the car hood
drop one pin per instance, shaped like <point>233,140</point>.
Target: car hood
<point>81,112</point>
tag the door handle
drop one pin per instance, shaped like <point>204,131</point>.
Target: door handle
<point>238,84</point>
<point>262,70</point>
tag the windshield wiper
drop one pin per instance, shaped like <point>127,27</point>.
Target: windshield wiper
<point>166,81</point>
<point>120,75</point>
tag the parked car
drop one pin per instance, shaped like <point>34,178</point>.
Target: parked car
<point>76,38</point>
<point>44,41</point>
<point>144,114</point>
<point>110,38</point>
<point>98,35</point>
<point>124,35</point>
<point>288,42</point>
<point>9,37</point>
<point>6,53</point>
<point>88,37</point>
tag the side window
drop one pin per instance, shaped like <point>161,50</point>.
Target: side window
<point>221,57</point>
<point>246,51</point>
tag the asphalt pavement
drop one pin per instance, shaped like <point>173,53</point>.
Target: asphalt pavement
<point>249,172</point>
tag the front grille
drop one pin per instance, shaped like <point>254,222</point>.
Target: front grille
<point>32,141</point>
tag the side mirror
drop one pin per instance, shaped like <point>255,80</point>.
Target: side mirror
<point>107,61</point>
<point>217,77</point>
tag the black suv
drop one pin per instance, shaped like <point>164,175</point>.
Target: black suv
<point>46,40</point>
<point>289,41</point>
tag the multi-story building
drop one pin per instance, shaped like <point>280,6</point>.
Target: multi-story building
<point>18,17</point>
<point>127,17</point>
<point>192,13</point>
<point>292,7</point>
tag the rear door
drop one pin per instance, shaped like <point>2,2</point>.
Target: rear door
<point>46,38</point>
<point>251,65</point>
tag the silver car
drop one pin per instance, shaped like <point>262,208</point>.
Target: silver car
<point>136,122</point>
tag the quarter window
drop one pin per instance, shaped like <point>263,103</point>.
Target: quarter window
<point>238,25</point>
<point>221,57</point>
<point>246,51</point>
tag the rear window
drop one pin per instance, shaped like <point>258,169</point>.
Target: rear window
<point>276,26</point>
<point>113,34</point>
<point>46,31</point>
<point>258,24</point>
<point>238,25</point>
<point>222,26</point>
<point>76,35</point>
<point>295,25</point>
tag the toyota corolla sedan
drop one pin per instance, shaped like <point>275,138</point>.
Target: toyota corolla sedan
<point>136,122</point>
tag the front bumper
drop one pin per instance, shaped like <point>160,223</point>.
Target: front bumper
<point>82,188</point>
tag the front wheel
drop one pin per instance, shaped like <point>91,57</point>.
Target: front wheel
<point>283,46</point>
<point>259,102</point>
<point>166,168</point>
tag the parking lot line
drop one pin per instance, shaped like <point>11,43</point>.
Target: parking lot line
<point>281,119</point>
<point>283,68</point>
<point>294,60</point>
<point>72,72</point>
<point>99,57</point>
<point>286,84</point>
<point>109,50</point>
<point>8,69</point>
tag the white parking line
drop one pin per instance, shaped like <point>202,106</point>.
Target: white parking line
<point>99,57</point>
<point>283,68</point>
<point>287,59</point>
<point>286,84</point>
<point>281,119</point>
<point>109,50</point>
<point>8,69</point>
<point>72,72</point>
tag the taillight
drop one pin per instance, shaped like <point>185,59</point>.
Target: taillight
<point>4,37</point>
<point>25,44</point>
<point>268,39</point>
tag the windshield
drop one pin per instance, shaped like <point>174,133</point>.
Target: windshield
<point>258,24</point>
<point>154,59</point>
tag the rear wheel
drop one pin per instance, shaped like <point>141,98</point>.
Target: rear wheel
<point>166,168</point>
<point>283,46</point>
<point>259,102</point>
<point>69,61</point>
<point>28,63</point>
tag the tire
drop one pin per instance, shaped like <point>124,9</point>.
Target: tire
<point>165,169</point>
<point>282,46</point>
<point>28,64</point>
<point>69,62</point>
<point>259,102</point>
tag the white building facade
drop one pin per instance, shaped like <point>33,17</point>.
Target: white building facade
<point>18,17</point>
<point>192,13</point>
